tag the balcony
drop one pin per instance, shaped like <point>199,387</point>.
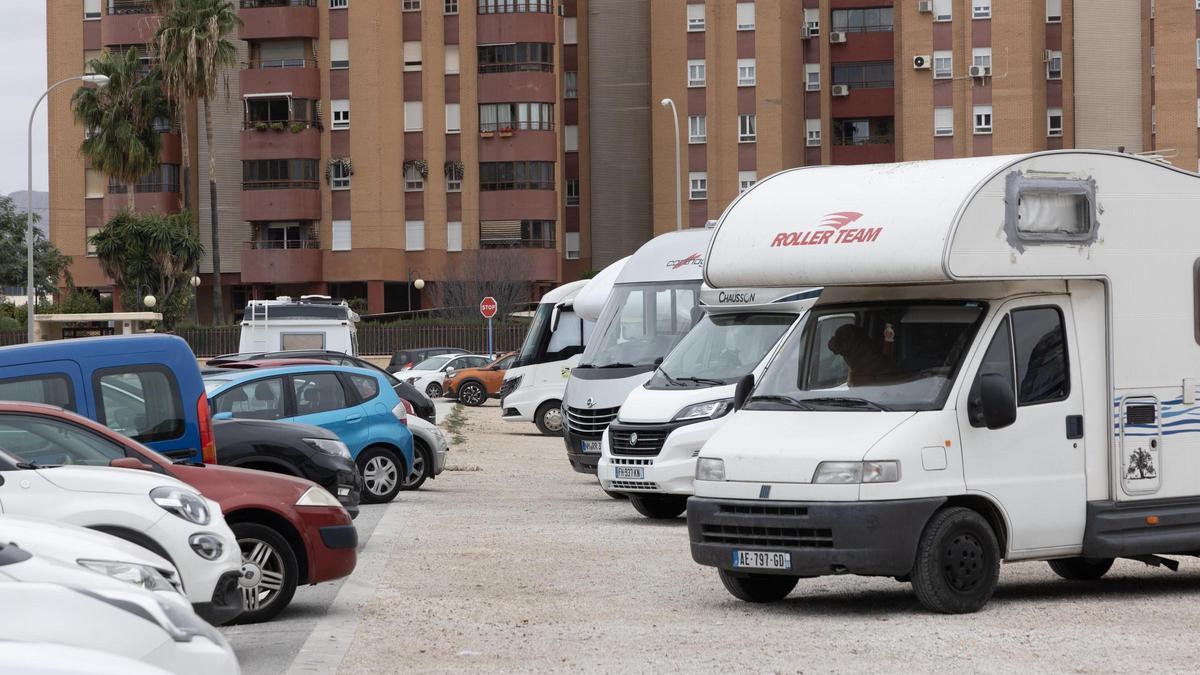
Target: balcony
<point>281,200</point>
<point>128,22</point>
<point>166,200</point>
<point>880,150</point>
<point>281,139</point>
<point>274,19</point>
<point>272,262</point>
<point>299,76</point>
<point>507,27</point>
<point>518,204</point>
<point>512,143</point>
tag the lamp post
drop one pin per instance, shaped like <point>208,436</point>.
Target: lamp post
<point>147,301</point>
<point>668,103</point>
<point>30,290</point>
<point>419,284</point>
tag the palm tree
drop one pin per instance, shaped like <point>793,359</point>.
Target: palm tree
<point>193,49</point>
<point>122,141</point>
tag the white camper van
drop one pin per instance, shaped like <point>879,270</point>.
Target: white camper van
<point>1002,367</point>
<point>312,322</point>
<point>653,303</point>
<point>649,451</point>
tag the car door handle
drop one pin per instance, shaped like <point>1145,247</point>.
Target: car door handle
<point>1074,427</point>
<point>354,418</point>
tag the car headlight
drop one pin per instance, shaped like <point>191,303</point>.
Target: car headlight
<point>706,410</point>
<point>139,575</point>
<point>847,473</point>
<point>412,380</point>
<point>317,496</point>
<point>710,468</point>
<point>187,505</point>
<point>329,447</point>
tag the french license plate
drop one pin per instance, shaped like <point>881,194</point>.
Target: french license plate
<point>630,472</point>
<point>591,446</point>
<point>763,560</point>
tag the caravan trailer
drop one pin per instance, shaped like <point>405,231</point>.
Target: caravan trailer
<point>314,322</point>
<point>1002,367</point>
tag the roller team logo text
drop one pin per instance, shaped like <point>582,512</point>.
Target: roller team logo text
<point>838,232</point>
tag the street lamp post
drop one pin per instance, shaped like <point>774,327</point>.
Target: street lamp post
<point>668,103</point>
<point>30,290</point>
<point>419,283</point>
<point>147,301</point>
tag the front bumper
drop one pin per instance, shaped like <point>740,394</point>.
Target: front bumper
<point>867,538</point>
<point>226,603</point>
<point>332,543</point>
<point>668,466</point>
<point>439,460</point>
<point>198,656</point>
<point>583,462</point>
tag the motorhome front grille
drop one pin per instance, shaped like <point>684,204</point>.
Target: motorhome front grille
<point>626,461</point>
<point>509,386</point>
<point>756,510</point>
<point>634,485</point>
<point>636,441</point>
<point>756,535</point>
<point>590,421</point>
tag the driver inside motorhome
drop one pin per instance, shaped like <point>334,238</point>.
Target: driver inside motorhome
<point>879,356</point>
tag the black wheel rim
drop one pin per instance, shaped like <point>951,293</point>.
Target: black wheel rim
<point>471,395</point>
<point>963,562</point>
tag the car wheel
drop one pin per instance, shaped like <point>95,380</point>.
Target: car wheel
<point>383,472</point>
<point>958,562</point>
<point>549,418</point>
<point>269,572</point>
<point>472,394</point>
<point>434,390</point>
<point>1081,569</point>
<point>659,507</point>
<point>757,587</point>
<point>422,465</point>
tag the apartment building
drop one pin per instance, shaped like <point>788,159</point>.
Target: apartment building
<point>461,162</point>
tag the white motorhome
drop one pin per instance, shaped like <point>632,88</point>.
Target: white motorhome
<point>312,322</point>
<point>1002,367</point>
<point>653,303</point>
<point>649,451</point>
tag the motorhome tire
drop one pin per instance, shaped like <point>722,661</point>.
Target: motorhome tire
<point>383,473</point>
<point>549,418</point>
<point>757,587</point>
<point>472,393</point>
<point>659,507</point>
<point>434,390</point>
<point>957,565</point>
<point>1081,569</point>
<point>422,464</point>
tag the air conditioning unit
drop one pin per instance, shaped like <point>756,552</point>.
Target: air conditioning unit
<point>840,90</point>
<point>925,6</point>
<point>837,37</point>
<point>922,62</point>
<point>980,71</point>
<point>810,32</point>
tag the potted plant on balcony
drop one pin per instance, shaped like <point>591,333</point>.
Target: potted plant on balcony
<point>260,126</point>
<point>505,132</point>
<point>486,132</point>
<point>277,126</point>
<point>345,167</point>
<point>296,127</point>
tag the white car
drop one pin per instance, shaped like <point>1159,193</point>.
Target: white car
<point>46,658</point>
<point>155,511</point>
<point>429,452</point>
<point>428,375</point>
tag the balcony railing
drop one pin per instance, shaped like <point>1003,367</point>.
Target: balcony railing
<point>518,67</point>
<point>517,185</point>
<point>281,63</point>
<point>881,139</point>
<point>119,7</point>
<point>521,126</point>
<point>516,243</point>
<point>266,125</point>
<point>255,4</point>
<point>281,185</point>
<point>515,6</point>
<point>139,188</point>
<point>280,244</point>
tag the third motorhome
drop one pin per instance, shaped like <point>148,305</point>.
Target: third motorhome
<point>1004,372</point>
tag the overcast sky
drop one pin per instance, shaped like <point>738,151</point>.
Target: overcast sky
<point>22,80</point>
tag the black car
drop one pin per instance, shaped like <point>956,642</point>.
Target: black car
<point>299,450</point>
<point>409,357</point>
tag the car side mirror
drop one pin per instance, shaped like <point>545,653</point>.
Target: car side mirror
<point>742,391</point>
<point>222,416</point>
<point>129,463</point>
<point>997,401</point>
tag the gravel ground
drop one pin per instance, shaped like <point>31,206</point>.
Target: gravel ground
<point>520,564</point>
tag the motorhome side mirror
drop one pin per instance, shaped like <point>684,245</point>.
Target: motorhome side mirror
<point>658,361</point>
<point>129,463</point>
<point>554,315</point>
<point>997,401</point>
<point>742,391</point>
<point>223,416</point>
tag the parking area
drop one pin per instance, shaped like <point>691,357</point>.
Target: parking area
<point>512,562</point>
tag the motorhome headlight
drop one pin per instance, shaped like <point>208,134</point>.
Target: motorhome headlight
<point>848,473</point>
<point>706,410</point>
<point>881,472</point>
<point>187,505</point>
<point>139,575</point>
<point>710,468</point>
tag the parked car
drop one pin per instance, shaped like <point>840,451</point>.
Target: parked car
<point>146,387</point>
<point>407,358</point>
<point>429,453</point>
<point>46,658</point>
<point>289,530</point>
<point>354,403</point>
<point>428,375</point>
<point>474,386</point>
<point>301,450</point>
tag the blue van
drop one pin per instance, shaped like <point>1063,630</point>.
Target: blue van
<point>146,387</point>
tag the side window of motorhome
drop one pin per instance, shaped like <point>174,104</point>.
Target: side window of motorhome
<point>294,341</point>
<point>997,360</point>
<point>1049,209</point>
<point>828,370</point>
<point>567,339</point>
<point>52,389</point>
<point>318,392</point>
<point>258,400</point>
<point>1040,368</point>
<point>141,402</point>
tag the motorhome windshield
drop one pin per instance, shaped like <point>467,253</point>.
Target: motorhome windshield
<point>883,356</point>
<point>720,349</point>
<point>641,323</point>
<point>543,345</point>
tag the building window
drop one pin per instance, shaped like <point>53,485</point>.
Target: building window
<point>746,180</point>
<point>91,10</point>
<point>454,236</point>
<point>530,175</point>
<point>450,7</point>
<point>414,119</point>
<point>942,11</point>
<point>1154,119</point>
<point>451,53</point>
<point>1151,62</point>
<point>697,185</point>
<point>983,119</point>
<point>982,58</point>
<point>695,18</point>
<point>943,121</point>
<point>1054,64</point>
<point>412,56</point>
<point>521,57</point>
<point>746,72</point>
<point>870,75</point>
<point>93,183</point>
<point>453,118</point>
<point>89,245</point>
<point>865,131</point>
<point>570,84</point>
<point>745,16</point>
<point>272,174</point>
<point>1198,52</point>
<point>1054,122</point>
<point>414,235</point>
<point>696,74</point>
<point>943,65</point>
<point>341,113</point>
<point>572,191</point>
<point>571,247</point>
<point>981,9</point>
<point>339,4</point>
<point>812,22</point>
<point>341,235</point>
<point>571,138</point>
<point>414,181</point>
<point>746,128</point>
<point>812,77</point>
<point>873,20</point>
<point>164,178</point>
<point>1053,11</point>
<point>511,6</point>
<point>339,53</point>
<point>812,132</point>
<point>697,129</point>
<point>453,184</point>
<point>339,175</point>
<point>570,30</point>
<point>411,6</point>
<point>516,234</point>
<point>505,117</point>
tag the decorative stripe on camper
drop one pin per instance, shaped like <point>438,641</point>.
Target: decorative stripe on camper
<point>1177,418</point>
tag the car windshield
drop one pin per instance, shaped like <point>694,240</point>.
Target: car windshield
<point>881,356</point>
<point>720,349</point>
<point>641,323</point>
<point>433,362</point>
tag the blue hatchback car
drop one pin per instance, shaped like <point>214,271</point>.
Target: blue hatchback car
<point>355,403</point>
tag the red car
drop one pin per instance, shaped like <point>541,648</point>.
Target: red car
<point>283,543</point>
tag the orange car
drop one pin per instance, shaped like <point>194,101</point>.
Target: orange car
<point>473,386</point>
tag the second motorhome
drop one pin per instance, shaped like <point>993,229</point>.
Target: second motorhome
<point>1004,372</point>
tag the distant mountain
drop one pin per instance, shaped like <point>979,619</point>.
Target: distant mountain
<point>41,206</point>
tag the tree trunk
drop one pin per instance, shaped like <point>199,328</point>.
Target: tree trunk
<point>218,308</point>
<point>129,192</point>
<point>187,159</point>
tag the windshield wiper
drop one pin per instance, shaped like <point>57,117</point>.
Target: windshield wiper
<point>34,465</point>
<point>703,380</point>
<point>616,364</point>
<point>848,402</point>
<point>786,400</point>
<point>670,380</point>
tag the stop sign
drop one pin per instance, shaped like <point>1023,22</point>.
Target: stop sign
<point>487,307</point>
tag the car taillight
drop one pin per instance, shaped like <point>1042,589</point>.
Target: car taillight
<point>208,444</point>
<point>408,409</point>
<point>399,412</point>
